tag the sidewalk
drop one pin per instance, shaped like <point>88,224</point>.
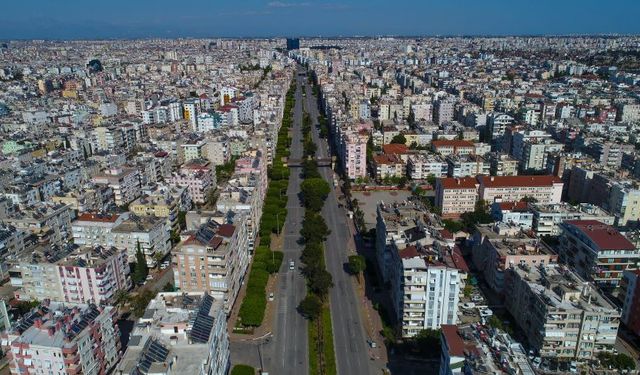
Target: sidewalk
<point>372,321</point>
<point>267,324</point>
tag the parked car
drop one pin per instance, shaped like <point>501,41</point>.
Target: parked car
<point>485,313</point>
<point>468,305</point>
<point>149,277</point>
<point>271,297</point>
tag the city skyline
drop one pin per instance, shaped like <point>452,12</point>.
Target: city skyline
<point>39,19</point>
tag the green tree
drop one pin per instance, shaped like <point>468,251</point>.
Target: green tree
<point>320,282</point>
<point>141,269</point>
<point>168,287</point>
<point>314,192</point>
<point>357,265</point>
<point>399,139</point>
<point>310,307</point>
<point>140,302</point>
<point>243,370</point>
<point>314,228</point>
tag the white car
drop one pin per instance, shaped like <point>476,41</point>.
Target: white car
<point>485,313</point>
<point>292,265</point>
<point>468,305</point>
<point>149,277</point>
<point>271,297</point>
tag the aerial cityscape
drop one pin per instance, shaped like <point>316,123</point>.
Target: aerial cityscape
<point>319,194</point>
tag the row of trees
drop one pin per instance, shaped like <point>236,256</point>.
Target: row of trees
<point>314,191</point>
<point>274,212</point>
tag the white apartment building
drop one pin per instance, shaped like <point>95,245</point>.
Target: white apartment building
<point>421,166</point>
<point>425,294</point>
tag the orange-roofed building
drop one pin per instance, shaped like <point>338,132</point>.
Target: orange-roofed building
<point>455,196</point>
<point>453,147</point>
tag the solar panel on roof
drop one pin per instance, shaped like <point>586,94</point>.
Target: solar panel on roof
<point>203,323</point>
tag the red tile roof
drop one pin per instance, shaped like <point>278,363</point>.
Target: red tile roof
<point>458,259</point>
<point>604,236</point>
<point>453,339</point>
<point>508,181</point>
<point>387,159</point>
<point>103,218</point>
<point>395,148</point>
<point>451,143</point>
<point>520,206</point>
<point>458,183</point>
<point>409,252</point>
<point>226,230</point>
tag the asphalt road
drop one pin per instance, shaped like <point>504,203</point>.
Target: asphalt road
<point>351,348</point>
<point>286,352</point>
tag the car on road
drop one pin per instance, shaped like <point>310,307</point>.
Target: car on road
<point>292,265</point>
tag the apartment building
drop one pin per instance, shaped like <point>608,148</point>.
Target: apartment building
<point>597,251</point>
<point>396,228</point>
<point>125,231</point>
<point>49,222</point>
<point>443,110</point>
<point>515,214</point>
<point>455,196</point>
<point>354,154</point>
<point>11,244</point>
<point>164,202</point>
<point>425,292</point>
<point>179,333</point>
<point>149,233</point>
<point>548,217</point>
<point>545,189</point>
<point>125,183</point>
<point>495,252</point>
<point>563,316</point>
<point>71,274</point>
<point>447,147</point>
<point>94,228</point>
<point>198,176</point>
<point>631,305</point>
<point>466,165</point>
<point>56,338</point>
<point>214,260</point>
<point>388,165</point>
<point>422,166</point>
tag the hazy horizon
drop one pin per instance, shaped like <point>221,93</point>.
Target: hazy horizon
<point>144,19</point>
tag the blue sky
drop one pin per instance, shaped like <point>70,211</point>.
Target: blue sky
<point>72,19</point>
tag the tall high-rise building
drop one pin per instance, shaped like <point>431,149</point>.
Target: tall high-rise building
<point>293,43</point>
